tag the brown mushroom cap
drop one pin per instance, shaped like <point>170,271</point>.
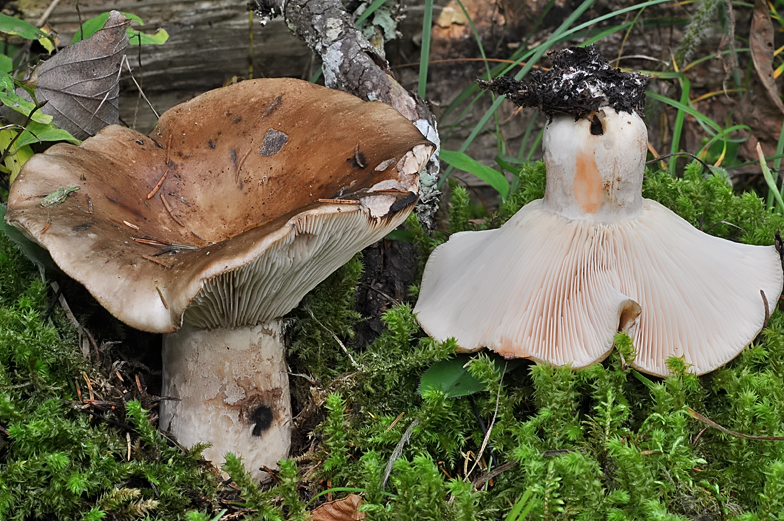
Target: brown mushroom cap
<point>248,171</point>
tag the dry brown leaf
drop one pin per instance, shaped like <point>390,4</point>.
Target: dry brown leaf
<point>761,44</point>
<point>345,509</point>
<point>82,82</point>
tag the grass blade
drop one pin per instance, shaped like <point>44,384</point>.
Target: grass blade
<point>678,127</point>
<point>424,56</point>
<point>772,188</point>
<point>489,175</point>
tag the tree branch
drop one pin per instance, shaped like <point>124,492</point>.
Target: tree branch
<point>352,64</point>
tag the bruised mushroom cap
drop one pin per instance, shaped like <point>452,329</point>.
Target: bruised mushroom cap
<point>268,186</point>
<point>560,278</point>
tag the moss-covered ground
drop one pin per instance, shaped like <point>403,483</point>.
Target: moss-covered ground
<point>599,443</point>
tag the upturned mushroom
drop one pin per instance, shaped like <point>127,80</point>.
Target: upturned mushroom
<point>568,271</point>
<point>214,226</point>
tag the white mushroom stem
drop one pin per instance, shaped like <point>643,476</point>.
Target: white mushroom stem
<point>229,388</point>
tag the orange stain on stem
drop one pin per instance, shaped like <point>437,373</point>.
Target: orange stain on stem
<point>587,183</point>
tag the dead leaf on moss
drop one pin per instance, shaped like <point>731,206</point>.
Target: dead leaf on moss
<point>761,45</point>
<point>761,108</point>
<point>346,509</point>
<point>82,82</point>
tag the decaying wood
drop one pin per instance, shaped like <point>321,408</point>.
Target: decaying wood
<point>208,45</point>
<point>352,64</point>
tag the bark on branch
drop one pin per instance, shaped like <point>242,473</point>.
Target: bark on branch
<point>352,64</point>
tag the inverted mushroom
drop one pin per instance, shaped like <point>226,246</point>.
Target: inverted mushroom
<point>214,227</point>
<point>560,278</point>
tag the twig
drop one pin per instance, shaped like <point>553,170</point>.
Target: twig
<point>41,21</point>
<point>141,82</point>
<point>156,261</point>
<point>17,386</point>
<point>688,154</point>
<point>391,299</point>
<point>697,416</point>
<point>65,306</point>
<point>27,122</point>
<point>767,309</point>
<point>92,342</point>
<point>141,91</point>
<point>394,422</point>
<point>81,26</point>
<point>108,92</point>
<point>726,223</point>
<point>639,57</point>
<point>339,201</point>
<point>158,184</point>
<point>168,148</point>
<point>481,480</point>
<point>397,452</point>
<point>353,362</point>
<point>694,443</point>
<point>168,209</point>
<point>165,305</point>
<point>492,423</point>
<point>149,242</point>
<point>89,385</point>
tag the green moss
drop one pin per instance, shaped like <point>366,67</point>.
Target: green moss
<point>602,442</point>
<point>56,461</point>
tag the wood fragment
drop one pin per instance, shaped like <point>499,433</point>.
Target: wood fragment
<point>163,300</point>
<point>481,480</point>
<point>394,422</point>
<point>159,183</point>
<point>168,148</point>
<point>338,201</point>
<point>150,242</point>
<point>159,262</point>
<point>168,209</point>
<point>389,191</point>
<point>130,225</point>
<point>92,343</point>
<point>697,416</point>
<point>89,385</point>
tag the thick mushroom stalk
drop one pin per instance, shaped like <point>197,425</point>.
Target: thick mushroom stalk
<point>231,390</point>
<point>213,228</point>
<point>560,278</point>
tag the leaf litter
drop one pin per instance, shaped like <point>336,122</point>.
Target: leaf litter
<point>82,82</point>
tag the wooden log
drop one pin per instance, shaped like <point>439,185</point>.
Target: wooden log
<point>209,44</point>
